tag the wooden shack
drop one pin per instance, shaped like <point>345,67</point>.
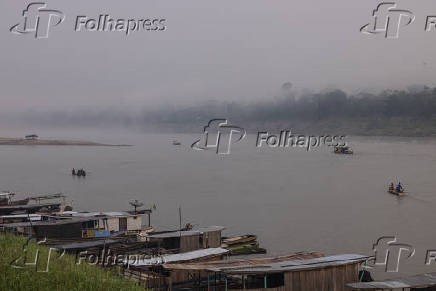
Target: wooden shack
<point>299,272</point>
<point>63,229</point>
<point>190,240</point>
<point>117,221</point>
<point>150,273</point>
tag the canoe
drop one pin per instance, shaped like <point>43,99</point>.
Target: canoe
<point>19,202</point>
<point>14,203</point>
<point>395,192</point>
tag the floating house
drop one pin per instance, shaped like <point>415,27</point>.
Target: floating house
<point>295,272</point>
<point>77,225</point>
<point>32,208</point>
<point>149,272</point>
<point>189,240</point>
<point>128,222</point>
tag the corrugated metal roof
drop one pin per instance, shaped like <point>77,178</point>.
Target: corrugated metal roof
<point>32,216</point>
<point>28,206</point>
<point>274,266</point>
<point>188,256</point>
<point>38,223</point>
<point>297,265</point>
<point>92,214</point>
<point>421,280</point>
<point>174,234</point>
<point>86,244</point>
<point>187,232</point>
<point>210,228</point>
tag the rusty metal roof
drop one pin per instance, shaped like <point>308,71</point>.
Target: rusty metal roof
<point>421,281</point>
<point>188,256</point>
<point>284,264</point>
<point>244,262</point>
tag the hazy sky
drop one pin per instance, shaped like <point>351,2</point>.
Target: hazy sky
<point>212,49</point>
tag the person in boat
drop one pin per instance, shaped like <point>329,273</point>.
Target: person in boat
<point>73,172</point>
<point>391,187</point>
<point>399,187</point>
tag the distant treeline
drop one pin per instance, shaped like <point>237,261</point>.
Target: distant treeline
<point>409,112</point>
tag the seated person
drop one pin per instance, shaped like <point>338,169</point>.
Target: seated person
<point>399,187</point>
<point>391,187</point>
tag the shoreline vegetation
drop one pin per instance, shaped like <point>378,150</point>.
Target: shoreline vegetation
<point>54,142</point>
<point>63,272</point>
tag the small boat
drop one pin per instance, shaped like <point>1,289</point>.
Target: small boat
<point>246,249</point>
<point>345,150</point>
<point>79,173</point>
<point>176,142</point>
<point>395,192</point>
<point>6,200</point>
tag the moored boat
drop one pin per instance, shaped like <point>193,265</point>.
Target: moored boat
<point>395,192</point>
<point>6,200</point>
<point>345,150</point>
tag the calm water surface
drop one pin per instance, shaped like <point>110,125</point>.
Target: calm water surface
<point>292,199</point>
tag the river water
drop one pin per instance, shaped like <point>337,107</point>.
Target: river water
<point>292,199</point>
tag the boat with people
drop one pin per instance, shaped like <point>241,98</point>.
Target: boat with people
<point>345,150</point>
<point>396,190</point>
<point>79,173</point>
<point>176,142</point>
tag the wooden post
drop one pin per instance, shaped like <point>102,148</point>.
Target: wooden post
<point>264,282</point>
<point>149,222</point>
<point>208,283</point>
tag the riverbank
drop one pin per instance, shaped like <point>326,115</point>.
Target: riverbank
<point>53,142</point>
<point>63,273</point>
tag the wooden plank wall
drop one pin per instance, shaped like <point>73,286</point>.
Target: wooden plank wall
<point>326,279</point>
<point>189,243</point>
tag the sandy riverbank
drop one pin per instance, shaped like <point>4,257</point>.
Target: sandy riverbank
<point>55,142</point>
